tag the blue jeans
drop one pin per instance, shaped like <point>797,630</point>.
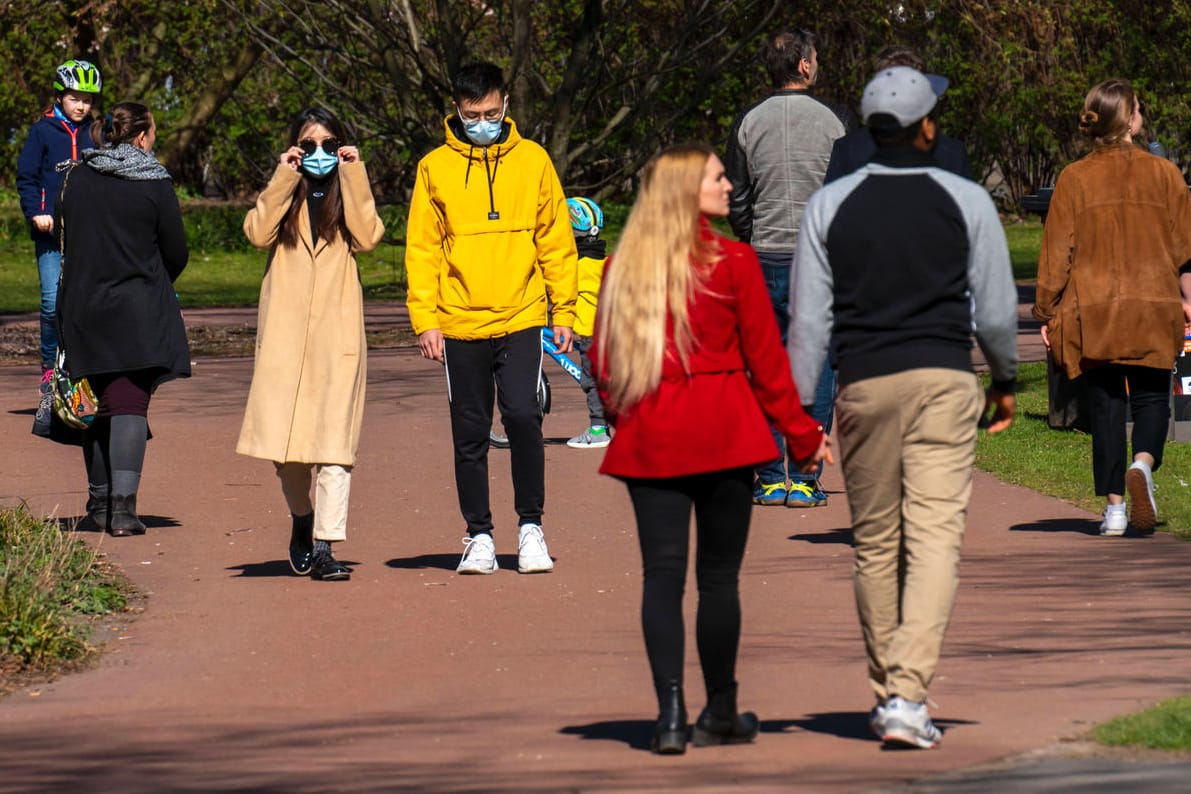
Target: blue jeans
<point>49,267</point>
<point>776,269</point>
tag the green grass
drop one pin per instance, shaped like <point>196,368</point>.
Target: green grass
<point>1025,241</point>
<point>1166,726</point>
<point>50,583</point>
<point>1059,462</point>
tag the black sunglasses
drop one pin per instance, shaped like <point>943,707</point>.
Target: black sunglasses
<point>330,146</point>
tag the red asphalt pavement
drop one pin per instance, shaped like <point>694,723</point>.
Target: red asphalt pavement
<point>239,676</point>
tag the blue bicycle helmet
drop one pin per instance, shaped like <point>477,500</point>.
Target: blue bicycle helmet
<point>586,216</point>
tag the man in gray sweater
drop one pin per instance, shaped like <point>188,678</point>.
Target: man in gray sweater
<point>776,157</point>
<point>898,264</point>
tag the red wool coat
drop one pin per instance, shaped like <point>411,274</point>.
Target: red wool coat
<point>713,416</point>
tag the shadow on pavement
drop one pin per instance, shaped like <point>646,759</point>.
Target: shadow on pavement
<point>840,536</point>
<point>1082,526</point>
<point>260,569</point>
<point>635,733</point>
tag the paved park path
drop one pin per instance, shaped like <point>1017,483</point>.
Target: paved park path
<point>239,676</point>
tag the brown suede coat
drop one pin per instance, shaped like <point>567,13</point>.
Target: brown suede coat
<point>1118,230</point>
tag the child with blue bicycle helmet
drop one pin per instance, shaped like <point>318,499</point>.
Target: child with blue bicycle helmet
<point>55,140</point>
<point>587,221</point>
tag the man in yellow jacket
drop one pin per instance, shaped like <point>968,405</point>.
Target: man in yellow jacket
<point>488,240</point>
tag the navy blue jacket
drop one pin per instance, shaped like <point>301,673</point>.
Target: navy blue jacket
<point>51,143</point>
<point>858,147</point>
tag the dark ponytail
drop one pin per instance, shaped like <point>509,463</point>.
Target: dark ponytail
<point>124,124</point>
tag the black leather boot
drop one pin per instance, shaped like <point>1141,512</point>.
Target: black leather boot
<point>123,520</point>
<point>98,508</point>
<point>301,544</point>
<point>669,736</point>
<point>721,724</point>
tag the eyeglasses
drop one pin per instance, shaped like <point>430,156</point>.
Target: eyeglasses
<point>488,115</point>
<point>330,146</point>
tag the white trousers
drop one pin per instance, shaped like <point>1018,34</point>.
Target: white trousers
<point>332,486</point>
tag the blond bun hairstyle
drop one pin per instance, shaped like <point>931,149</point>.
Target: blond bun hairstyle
<point>1107,112</point>
<point>660,261</point>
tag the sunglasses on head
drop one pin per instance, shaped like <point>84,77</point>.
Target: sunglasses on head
<point>330,146</point>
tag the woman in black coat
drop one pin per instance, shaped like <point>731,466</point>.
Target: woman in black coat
<point>120,323</point>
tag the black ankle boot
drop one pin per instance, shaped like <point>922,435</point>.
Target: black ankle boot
<point>123,520</point>
<point>669,737</point>
<point>97,507</point>
<point>721,724</point>
<point>301,544</point>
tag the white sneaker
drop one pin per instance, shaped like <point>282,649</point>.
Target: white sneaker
<point>594,437</point>
<point>532,555</point>
<point>876,720</point>
<point>1115,521</point>
<point>479,556</point>
<point>1139,482</point>
<point>909,723</point>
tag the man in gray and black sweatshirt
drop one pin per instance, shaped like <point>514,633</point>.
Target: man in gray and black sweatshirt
<point>898,265</point>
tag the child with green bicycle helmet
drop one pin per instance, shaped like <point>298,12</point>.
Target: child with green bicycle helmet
<point>55,140</point>
<point>587,221</point>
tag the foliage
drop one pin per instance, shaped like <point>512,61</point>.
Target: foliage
<point>602,84</point>
<point>1058,463</point>
<point>49,580</point>
<point>1166,726</point>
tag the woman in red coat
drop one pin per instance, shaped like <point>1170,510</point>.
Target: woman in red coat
<point>684,339</point>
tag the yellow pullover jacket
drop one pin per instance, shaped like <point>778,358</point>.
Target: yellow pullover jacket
<point>489,237</point>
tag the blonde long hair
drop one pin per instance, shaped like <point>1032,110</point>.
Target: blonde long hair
<point>660,261</point>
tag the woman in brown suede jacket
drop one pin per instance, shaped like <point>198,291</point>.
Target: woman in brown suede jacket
<point>1113,297</point>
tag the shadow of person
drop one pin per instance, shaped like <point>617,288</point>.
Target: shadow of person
<point>264,569</point>
<point>842,537</point>
<point>1081,526</point>
<point>85,524</point>
<point>637,734</point>
<point>445,562</point>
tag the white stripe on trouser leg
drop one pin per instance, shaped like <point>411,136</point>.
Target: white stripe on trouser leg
<point>332,487</point>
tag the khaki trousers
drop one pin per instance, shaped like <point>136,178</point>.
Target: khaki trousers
<point>332,488</point>
<point>907,443</point>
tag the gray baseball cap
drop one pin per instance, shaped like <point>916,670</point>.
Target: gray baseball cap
<point>904,93</point>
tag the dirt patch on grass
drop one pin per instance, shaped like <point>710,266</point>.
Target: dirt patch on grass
<point>19,344</point>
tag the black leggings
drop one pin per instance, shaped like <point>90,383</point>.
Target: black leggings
<point>723,502</point>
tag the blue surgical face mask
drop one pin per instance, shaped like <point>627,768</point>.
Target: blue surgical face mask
<point>482,132</point>
<point>320,163</point>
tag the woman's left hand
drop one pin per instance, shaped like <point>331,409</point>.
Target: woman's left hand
<point>349,154</point>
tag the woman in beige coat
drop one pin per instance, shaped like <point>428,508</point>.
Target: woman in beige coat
<point>306,402</point>
<point>1113,298</point>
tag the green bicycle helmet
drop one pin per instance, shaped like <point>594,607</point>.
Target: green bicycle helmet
<point>78,75</point>
<point>586,216</point>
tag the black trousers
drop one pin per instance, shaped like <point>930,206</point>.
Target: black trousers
<point>1147,398</point>
<point>507,367</point>
<point>723,503</point>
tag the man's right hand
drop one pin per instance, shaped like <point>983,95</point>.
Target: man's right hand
<point>431,345</point>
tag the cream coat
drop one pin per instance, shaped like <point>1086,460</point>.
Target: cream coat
<point>306,403</point>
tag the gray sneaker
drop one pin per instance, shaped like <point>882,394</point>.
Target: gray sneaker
<point>594,437</point>
<point>908,723</point>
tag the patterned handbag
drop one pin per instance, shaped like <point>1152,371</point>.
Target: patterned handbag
<point>74,401</point>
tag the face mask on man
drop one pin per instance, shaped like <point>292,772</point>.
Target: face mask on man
<point>320,163</point>
<point>481,132</point>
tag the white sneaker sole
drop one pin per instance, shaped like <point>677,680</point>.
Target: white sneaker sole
<point>475,570</point>
<point>1142,514</point>
<point>907,737</point>
<point>535,566</point>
